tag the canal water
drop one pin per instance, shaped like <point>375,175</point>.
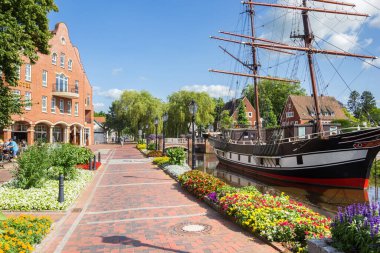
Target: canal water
<point>322,199</point>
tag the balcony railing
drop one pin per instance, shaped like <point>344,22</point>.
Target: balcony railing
<point>66,92</point>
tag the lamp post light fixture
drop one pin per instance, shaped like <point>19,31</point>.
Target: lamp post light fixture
<point>156,125</point>
<point>193,107</point>
<point>164,119</point>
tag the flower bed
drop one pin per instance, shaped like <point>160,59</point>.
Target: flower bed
<point>44,198</point>
<point>19,234</point>
<point>199,183</point>
<point>357,229</point>
<point>176,170</point>
<point>86,166</point>
<point>276,218</point>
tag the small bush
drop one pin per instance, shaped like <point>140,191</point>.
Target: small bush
<point>65,157</point>
<point>177,156</point>
<point>82,154</point>
<point>141,146</point>
<point>357,228</point>
<point>161,160</point>
<point>151,146</point>
<point>33,165</point>
<point>155,153</point>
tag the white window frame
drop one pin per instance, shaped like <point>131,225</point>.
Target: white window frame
<point>44,78</point>
<point>53,104</point>
<point>54,59</point>
<point>302,132</point>
<point>249,114</point>
<point>28,100</point>
<point>69,107</point>
<point>70,65</point>
<point>76,109</point>
<point>44,103</point>
<point>18,72</point>
<point>289,115</point>
<point>28,72</point>
<point>76,86</point>
<point>61,106</point>
<point>61,83</point>
<point>62,60</point>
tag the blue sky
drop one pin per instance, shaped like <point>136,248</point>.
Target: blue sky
<point>163,46</point>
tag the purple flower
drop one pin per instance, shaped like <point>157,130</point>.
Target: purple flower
<point>213,197</point>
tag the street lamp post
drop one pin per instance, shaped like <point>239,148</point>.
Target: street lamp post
<point>155,125</point>
<point>146,130</point>
<point>164,119</point>
<point>193,110</point>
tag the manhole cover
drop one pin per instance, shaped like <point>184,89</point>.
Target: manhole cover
<point>190,229</point>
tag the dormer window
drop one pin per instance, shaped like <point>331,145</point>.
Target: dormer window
<point>62,62</point>
<point>289,114</point>
<point>70,64</point>
<point>54,59</point>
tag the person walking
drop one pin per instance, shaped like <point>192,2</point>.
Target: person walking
<point>122,142</point>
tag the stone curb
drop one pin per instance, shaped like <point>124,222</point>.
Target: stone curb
<point>321,246</point>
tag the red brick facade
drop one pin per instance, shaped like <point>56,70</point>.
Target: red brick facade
<point>234,110</point>
<point>61,97</point>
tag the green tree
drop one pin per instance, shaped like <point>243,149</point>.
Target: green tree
<point>219,106</point>
<point>367,105</point>
<point>226,120</point>
<point>272,97</point>
<point>179,114</point>
<point>353,103</point>
<point>99,114</point>
<point>116,118</point>
<point>242,119</point>
<point>141,108</point>
<point>24,33</point>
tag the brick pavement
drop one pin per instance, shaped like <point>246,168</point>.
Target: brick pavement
<point>134,207</point>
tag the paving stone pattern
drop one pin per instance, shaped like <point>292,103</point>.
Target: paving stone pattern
<point>134,207</point>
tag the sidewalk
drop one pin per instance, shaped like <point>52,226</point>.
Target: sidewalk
<point>132,206</point>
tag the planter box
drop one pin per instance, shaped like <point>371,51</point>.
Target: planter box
<point>321,246</point>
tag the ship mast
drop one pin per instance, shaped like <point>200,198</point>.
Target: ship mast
<point>308,38</point>
<point>251,12</point>
<point>266,44</point>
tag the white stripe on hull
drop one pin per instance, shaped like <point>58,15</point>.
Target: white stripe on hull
<point>305,161</point>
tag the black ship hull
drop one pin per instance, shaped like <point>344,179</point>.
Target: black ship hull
<point>342,160</point>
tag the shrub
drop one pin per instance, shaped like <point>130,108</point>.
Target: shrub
<point>33,165</point>
<point>151,146</point>
<point>176,170</point>
<point>141,146</point>
<point>65,157</point>
<point>356,228</point>
<point>83,155</point>
<point>177,156</point>
<point>161,160</point>
<point>19,234</point>
<point>154,153</point>
<point>199,183</point>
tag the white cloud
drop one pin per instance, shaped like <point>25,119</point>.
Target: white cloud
<point>343,41</point>
<point>375,21</point>
<point>99,105</point>
<point>111,93</point>
<point>116,71</point>
<point>212,90</point>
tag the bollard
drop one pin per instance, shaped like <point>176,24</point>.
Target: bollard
<point>99,158</point>
<point>61,196</point>
<point>90,164</point>
<point>94,162</point>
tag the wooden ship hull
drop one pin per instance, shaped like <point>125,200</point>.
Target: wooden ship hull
<point>342,160</point>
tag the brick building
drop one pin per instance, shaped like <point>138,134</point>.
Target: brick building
<point>233,107</point>
<point>301,110</point>
<point>61,107</point>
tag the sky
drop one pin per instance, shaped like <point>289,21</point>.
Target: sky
<point>163,46</point>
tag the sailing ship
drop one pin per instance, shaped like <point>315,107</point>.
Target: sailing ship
<point>323,158</point>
